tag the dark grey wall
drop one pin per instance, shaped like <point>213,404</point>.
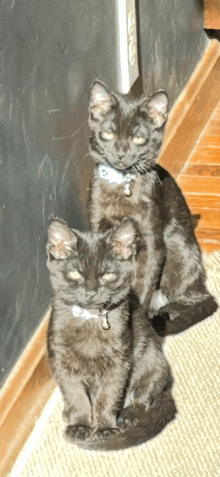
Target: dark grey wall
<point>172,40</point>
<point>51,50</point>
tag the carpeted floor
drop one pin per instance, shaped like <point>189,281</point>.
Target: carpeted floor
<point>188,447</point>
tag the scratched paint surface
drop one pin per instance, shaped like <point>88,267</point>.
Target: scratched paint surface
<point>172,41</point>
<point>50,53</point>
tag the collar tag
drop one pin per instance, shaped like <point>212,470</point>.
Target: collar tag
<point>105,322</point>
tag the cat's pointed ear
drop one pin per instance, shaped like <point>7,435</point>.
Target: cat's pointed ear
<point>101,100</point>
<point>123,239</point>
<point>156,108</point>
<point>61,240</point>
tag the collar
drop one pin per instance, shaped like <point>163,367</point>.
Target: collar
<point>112,176</point>
<point>92,313</point>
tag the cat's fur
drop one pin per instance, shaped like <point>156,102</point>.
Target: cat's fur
<point>172,262</point>
<point>99,371</point>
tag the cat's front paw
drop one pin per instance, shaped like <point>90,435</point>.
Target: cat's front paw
<point>167,313</point>
<point>172,310</point>
<point>127,418</point>
<point>78,432</point>
<point>106,432</point>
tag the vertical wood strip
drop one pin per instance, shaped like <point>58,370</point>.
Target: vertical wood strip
<point>24,368</point>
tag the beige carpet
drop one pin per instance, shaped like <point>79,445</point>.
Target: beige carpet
<point>188,447</point>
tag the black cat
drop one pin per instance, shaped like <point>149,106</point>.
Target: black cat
<point>125,138</point>
<point>106,358</point>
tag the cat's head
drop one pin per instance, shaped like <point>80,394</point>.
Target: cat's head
<point>126,134</point>
<point>92,269</point>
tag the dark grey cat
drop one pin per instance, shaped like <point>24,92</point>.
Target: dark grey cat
<point>104,354</point>
<point>125,138</point>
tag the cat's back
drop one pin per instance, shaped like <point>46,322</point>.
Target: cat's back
<point>173,199</point>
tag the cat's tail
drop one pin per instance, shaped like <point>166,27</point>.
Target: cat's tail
<point>147,425</point>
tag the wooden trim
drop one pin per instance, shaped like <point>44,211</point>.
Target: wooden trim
<point>212,14</point>
<point>24,368</point>
<point>209,239</point>
<point>191,111</point>
<point>24,396</point>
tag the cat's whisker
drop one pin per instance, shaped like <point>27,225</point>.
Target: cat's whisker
<point>87,154</point>
<point>134,167</point>
<point>158,178</point>
<point>140,167</point>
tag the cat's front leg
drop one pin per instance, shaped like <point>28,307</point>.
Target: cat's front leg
<point>106,409</point>
<point>77,411</point>
<point>149,266</point>
<point>108,401</point>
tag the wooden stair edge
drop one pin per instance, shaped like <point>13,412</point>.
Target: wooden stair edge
<point>24,368</point>
<point>204,82</point>
<point>212,14</point>
<point>23,396</point>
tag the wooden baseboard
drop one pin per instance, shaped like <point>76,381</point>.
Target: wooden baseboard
<point>192,110</point>
<point>24,396</point>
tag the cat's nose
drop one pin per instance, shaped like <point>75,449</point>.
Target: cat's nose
<point>91,287</point>
<point>120,156</point>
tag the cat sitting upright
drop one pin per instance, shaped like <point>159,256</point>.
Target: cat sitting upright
<point>125,138</point>
<point>106,358</point>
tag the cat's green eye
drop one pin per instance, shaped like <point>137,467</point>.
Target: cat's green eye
<point>138,140</point>
<point>74,275</point>
<point>107,135</point>
<point>109,277</point>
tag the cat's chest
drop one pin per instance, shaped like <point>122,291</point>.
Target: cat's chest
<point>111,199</point>
<point>86,338</point>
